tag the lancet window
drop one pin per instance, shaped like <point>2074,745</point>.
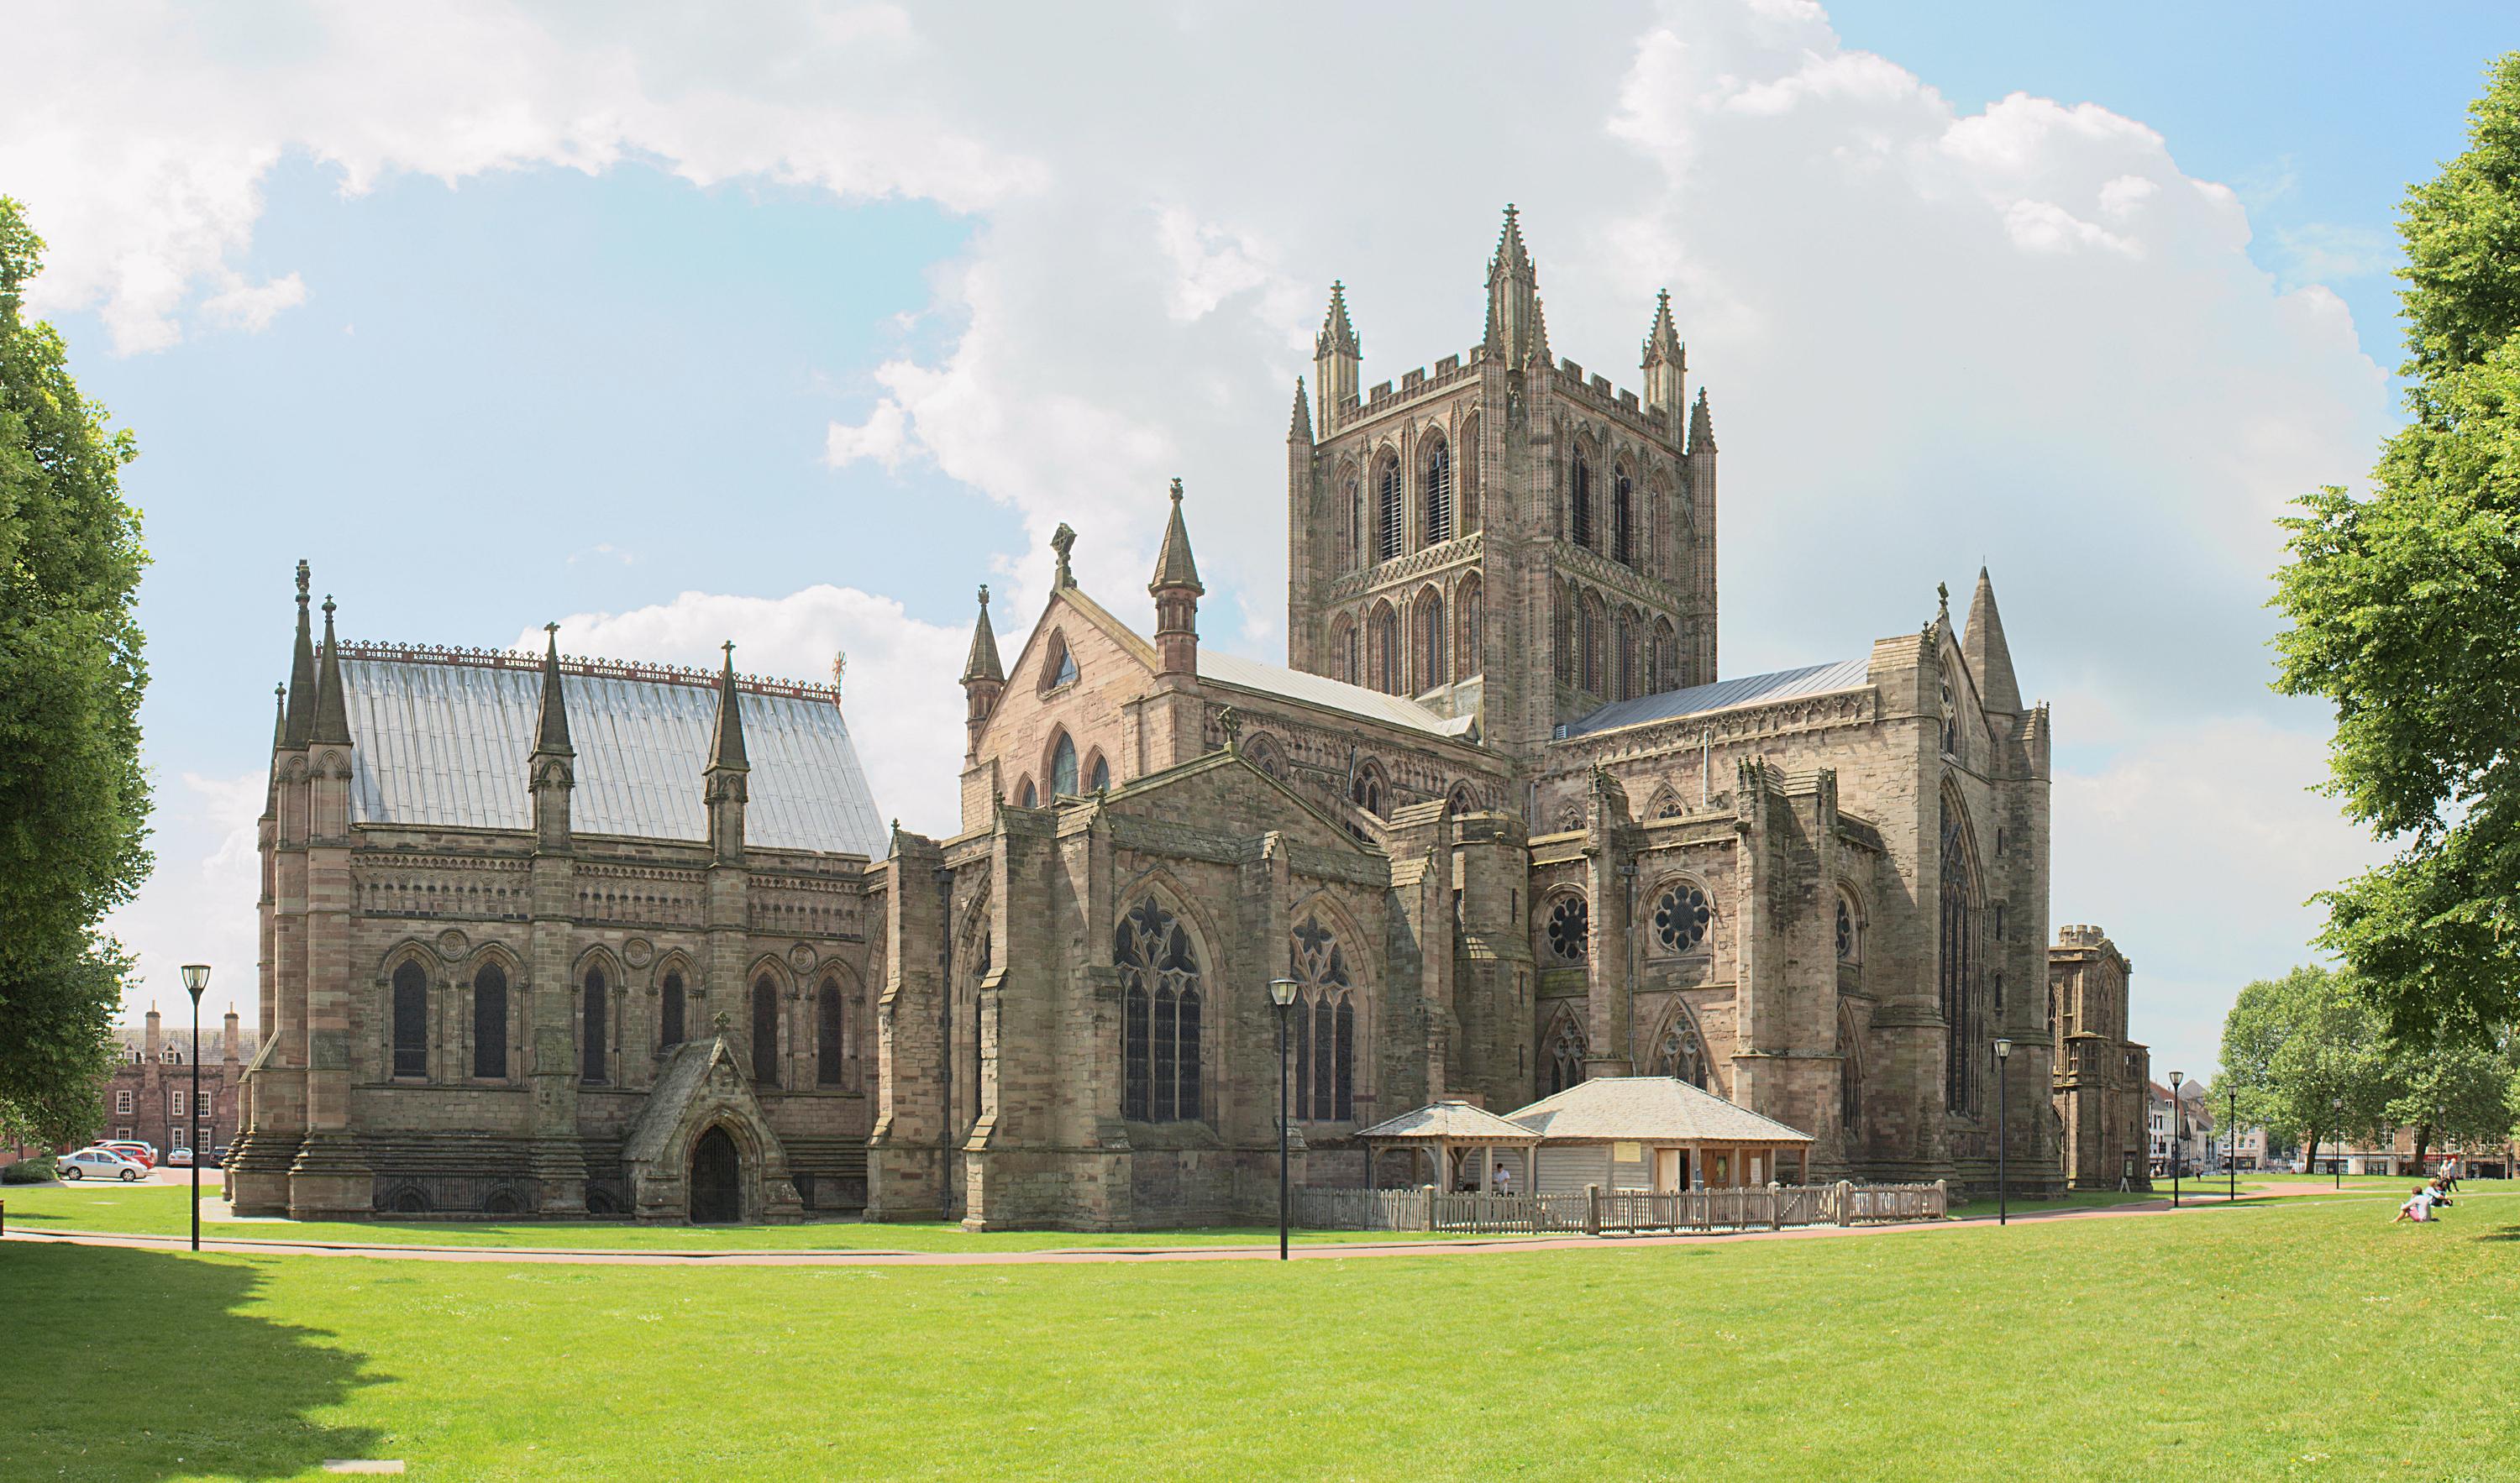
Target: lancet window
<point>1439,492</point>
<point>490,1021</point>
<point>592,1026</point>
<point>1160,1014</point>
<point>410,1019</point>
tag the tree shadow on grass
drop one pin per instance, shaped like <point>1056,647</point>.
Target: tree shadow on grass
<point>119,1364</point>
<point>2506,1233</point>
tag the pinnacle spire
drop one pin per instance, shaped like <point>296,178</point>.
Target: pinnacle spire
<point>1662,336</point>
<point>1701,426</point>
<point>279,739</point>
<point>1174,567</point>
<point>300,723</point>
<point>1338,336</point>
<point>1989,657</point>
<point>331,709</point>
<point>552,736</point>
<point>1300,428</point>
<point>1510,254</point>
<point>1516,328</point>
<point>984,665</point>
<point>726,745</point>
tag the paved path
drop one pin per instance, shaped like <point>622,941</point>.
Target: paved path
<point>1472,1246</point>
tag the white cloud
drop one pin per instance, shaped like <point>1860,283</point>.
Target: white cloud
<point>199,905</point>
<point>883,438</point>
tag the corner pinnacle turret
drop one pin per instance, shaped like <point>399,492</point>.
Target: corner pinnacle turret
<point>1989,657</point>
<point>726,745</point>
<point>983,664</point>
<point>1300,427</point>
<point>332,708</point>
<point>1516,328</point>
<point>1337,336</point>
<point>1174,566</point>
<point>551,735</point>
<point>300,725</point>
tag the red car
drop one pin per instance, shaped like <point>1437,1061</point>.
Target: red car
<point>138,1153</point>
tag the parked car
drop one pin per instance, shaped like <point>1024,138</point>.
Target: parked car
<point>179,1158</point>
<point>102,1163</point>
<point>142,1154</point>
<point>218,1159</point>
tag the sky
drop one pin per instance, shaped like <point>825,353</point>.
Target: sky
<point>793,324</point>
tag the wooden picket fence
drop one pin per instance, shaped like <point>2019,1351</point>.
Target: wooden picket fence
<point>1597,1212</point>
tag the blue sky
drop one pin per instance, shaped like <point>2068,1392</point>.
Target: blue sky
<point>794,330</point>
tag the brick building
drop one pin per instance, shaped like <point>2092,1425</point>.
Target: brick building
<point>1500,818</point>
<point>148,1095</point>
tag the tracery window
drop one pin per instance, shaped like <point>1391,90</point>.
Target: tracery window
<point>1680,1053</point>
<point>1367,790</point>
<point>670,1033</point>
<point>1845,931</point>
<point>1951,723</point>
<point>1579,507</point>
<point>1963,1014</point>
<point>765,1030</point>
<point>828,1012</point>
<point>1681,917</point>
<point>1430,642</point>
<point>1622,519</point>
<point>490,1021</point>
<point>1439,492</point>
<point>590,1028</point>
<point>1387,533</point>
<point>1160,1025</point>
<point>1562,1062</point>
<point>410,1019</point>
<point>1323,1025</point>
<point>1063,768</point>
<point>1569,927</point>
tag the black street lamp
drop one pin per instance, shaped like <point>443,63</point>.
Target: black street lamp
<point>2231,1150</point>
<point>2337,1106</point>
<point>196,977</point>
<point>2003,1060</point>
<point>1281,993</point>
<point>2178,1134</point>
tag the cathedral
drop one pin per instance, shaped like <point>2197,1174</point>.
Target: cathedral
<point>543,935</point>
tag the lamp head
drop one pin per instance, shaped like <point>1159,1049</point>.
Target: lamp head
<point>196,977</point>
<point>2176,1077</point>
<point>1282,991</point>
<point>2002,1048</point>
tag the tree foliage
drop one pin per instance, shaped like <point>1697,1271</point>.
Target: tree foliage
<point>2405,612</point>
<point>73,801</point>
<point>2452,1092</point>
<point>2294,1047</point>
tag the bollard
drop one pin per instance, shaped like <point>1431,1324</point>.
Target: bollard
<point>1846,1202</point>
<point>1592,1210</point>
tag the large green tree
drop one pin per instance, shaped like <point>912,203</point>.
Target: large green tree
<point>2405,612</point>
<point>2452,1092</point>
<point>2296,1047</point>
<point>73,801</point>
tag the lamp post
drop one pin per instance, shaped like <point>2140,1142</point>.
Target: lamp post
<point>1281,993</point>
<point>2336,1106</point>
<point>2232,1148</point>
<point>196,977</point>
<point>2003,1196</point>
<point>2178,1134</point>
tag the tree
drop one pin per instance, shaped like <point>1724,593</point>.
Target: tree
<point>2452,1092</point>
<point>2294,1047</point>
<point>73,801</point>
<point>2405,612</point>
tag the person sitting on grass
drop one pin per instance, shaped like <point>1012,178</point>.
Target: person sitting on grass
<point>2418,1208</point>
<point>2440,1190</point>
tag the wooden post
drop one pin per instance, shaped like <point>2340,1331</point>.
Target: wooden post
<point>1592,1210</point>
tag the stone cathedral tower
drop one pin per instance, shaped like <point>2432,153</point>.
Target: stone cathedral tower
<point>1502,537</point>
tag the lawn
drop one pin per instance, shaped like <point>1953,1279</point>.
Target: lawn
<point>160,1210</point>
<point>2285,1338</point>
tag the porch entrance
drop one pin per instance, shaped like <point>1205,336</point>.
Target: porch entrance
<point>717,1196</point>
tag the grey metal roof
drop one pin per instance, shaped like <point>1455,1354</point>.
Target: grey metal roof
<point>1454,1121</point>
<point>1724,695</point>
<point>1330,694</point>
<point>439,744</point>
<point>1649,1109</point>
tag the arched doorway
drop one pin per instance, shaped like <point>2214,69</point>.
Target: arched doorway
<point>716,1196</point>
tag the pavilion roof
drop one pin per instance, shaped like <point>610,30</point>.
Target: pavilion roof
<point>1449,1122</point>
<point>1649,1109</point>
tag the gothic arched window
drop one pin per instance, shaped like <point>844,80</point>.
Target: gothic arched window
<point>1387,513</point>
<point>1562,634</point>
<point>1439,492</point>
<point>1580,504</point>
<point>1159,1022</point>
<point>765,1030</point>
<point>1624,653</point>
<point>828,1022</point>
<point>1562,1061</point>
<point>1588,646</point>
<point>1680,1053</point>
<point>1470,617</point>
<point>1343,639</point>
<point>1323,1023</point>
<point>1383,647</point>
<point>1357,555</point>
<point>490,1021</point>
<point>1430,642</point>
<point>1845,930</point>
<point>1100,779</point>
<point>1059,667</point>
<point>1622,519</point>
<point>1029,796</point>
<point>1063,768</point>
<point>1681,917</point>
<point>410,1019</point>
<point>1366,790</point>
<point>670,1033</point>
<point>590,1028</point>
<point>1570,929</point>
<point>1466,476</point>
<point>1963,1014</point>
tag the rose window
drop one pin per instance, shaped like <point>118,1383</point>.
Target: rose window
<point>1570,929</point>
<point>1679,919</point>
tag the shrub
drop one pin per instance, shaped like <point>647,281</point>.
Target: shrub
<point>27,1171</point>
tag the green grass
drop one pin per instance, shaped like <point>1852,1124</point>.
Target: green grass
<point>2287,1338</point>
<point>160,1210</point>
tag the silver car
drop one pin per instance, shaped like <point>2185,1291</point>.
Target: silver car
<point>100,1163</point>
